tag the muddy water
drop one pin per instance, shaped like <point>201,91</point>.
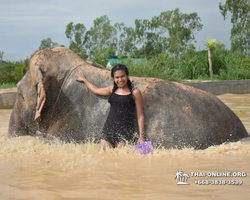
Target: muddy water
<point>30,168</point>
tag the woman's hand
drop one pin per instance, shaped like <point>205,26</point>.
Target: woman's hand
<point>80,76</point>
<point>99,91</point>
<point>139,110</point>
<point>141,139</point>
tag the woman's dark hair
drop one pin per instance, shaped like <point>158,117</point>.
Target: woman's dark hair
<point>125,69</point>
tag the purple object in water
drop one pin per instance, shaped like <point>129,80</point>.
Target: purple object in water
<point>144,147</point>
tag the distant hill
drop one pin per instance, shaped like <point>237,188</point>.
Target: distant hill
<point>3,62</point>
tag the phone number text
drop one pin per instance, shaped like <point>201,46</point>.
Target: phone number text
<point>218,182</point>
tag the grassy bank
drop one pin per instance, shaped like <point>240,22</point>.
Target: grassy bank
<point>7,85</point>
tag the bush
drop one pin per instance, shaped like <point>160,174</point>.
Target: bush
<point>160,66</point>
<point>237,67</point>
<point>192,65</point>
<point>12,72</point>
<point>7,85</point>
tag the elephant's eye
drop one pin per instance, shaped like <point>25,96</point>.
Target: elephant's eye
<point>20,94</point>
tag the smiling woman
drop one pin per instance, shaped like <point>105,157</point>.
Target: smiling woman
<point>120,126</point>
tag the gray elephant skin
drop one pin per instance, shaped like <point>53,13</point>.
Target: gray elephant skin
<point>176,115</point>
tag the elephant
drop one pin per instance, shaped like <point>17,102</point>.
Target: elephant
<point>51,103</point>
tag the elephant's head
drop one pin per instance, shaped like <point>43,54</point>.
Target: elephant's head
<point>41,104</point>
<point>31,96</point>
<point>22,118</point>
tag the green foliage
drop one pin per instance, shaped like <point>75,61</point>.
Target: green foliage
<point>194,66</point>
<point>7,85</point>
<point>12,72</point>
<point>141,41</point>
<point>7,73</point>
<point>240,17</point>
<point>48,44</point>
<point>126,45</point>
<point>154,69</point>
<point>148,42</point>
<point>168,67</point>
<point>180,29</point>
<point>96,44</point>
<point>78,39</point>
<point>171,32</point>
<point>211,44</point>
<point>237,67</point>
<point>102,40</point>
<point>1,57</point>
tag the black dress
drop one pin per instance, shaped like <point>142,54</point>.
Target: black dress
<point>121,125</point>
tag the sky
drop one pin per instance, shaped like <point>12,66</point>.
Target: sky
<point>24,23</point>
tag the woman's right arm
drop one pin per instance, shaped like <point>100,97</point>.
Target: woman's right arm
<point>99,91</point>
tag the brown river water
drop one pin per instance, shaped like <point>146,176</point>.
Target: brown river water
<point>33,169</point>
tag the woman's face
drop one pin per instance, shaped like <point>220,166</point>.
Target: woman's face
<point>120,78</point>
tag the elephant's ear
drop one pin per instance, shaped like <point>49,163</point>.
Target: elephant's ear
<point>41,97</point>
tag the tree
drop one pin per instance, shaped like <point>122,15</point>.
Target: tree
<point>179,27</point>
<point>48,44</point>
<point>78,39</point>
<point>12,72</point>
<point>102,40</point>
<point>146,37</point>
<point>1,56</point>
<point>126,41</point>
<point>240,18</point>
<point>211,45</point>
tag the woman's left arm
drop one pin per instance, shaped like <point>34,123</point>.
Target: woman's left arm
<point>139,110</point>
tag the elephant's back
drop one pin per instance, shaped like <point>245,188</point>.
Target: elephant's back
<point>177,116</point>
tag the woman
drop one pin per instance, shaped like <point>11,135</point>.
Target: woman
<point>125,100</point>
